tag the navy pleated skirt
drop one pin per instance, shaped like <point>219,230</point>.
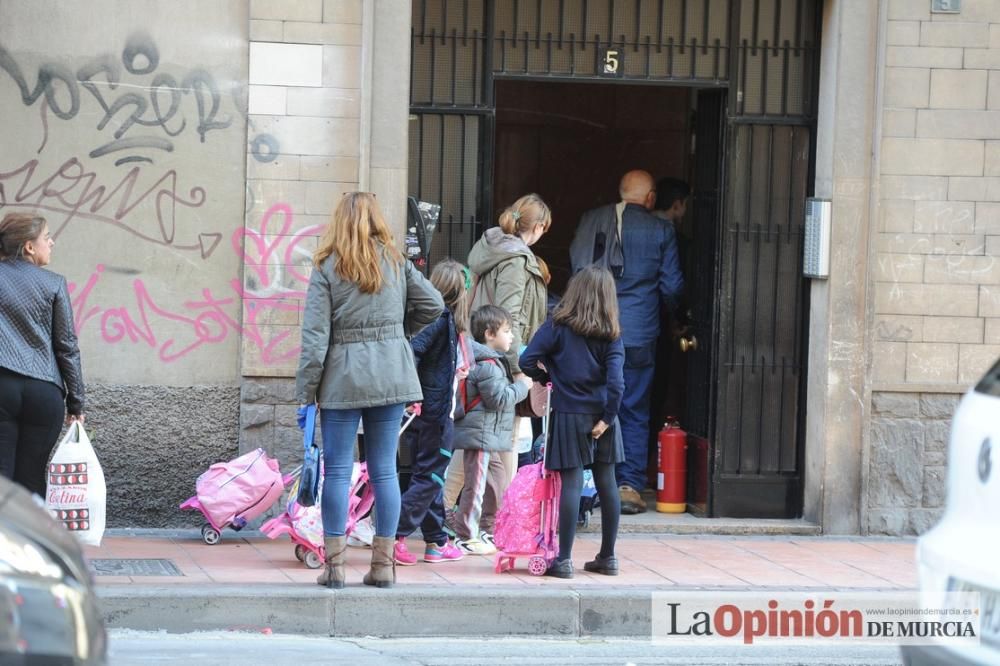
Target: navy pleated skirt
<point>570,444</point>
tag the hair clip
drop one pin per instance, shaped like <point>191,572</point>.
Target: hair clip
<point>468,277</point>
<point>516,215</point>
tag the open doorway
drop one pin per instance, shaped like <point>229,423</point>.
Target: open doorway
<point>571,143</point>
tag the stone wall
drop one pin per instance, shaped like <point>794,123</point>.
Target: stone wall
<point>935,272</point>
<point>154,441</point>
<point>312,135</point>
<point>937,262</point>
<point>124,125</point>
<point>268,419</point>
<point>909,434</point>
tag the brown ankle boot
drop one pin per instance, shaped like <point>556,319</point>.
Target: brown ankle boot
<point>383,571</point>
<point>333,575</point>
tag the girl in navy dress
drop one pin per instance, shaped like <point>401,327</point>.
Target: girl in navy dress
<point>579,349</point>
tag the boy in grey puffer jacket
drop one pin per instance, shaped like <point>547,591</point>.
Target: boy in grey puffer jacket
<point>488,397</point>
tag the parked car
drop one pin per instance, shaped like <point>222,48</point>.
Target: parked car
<point>962,552</point>
<point>48,608</point>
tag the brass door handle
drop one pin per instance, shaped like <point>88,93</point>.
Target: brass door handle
<point>689,343</point>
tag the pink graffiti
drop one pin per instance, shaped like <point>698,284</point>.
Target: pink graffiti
<point>205,320</point>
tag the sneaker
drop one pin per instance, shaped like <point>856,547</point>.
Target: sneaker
<point>487,537</point>
<point>449,552</point>
<point>603,565</point>
<point>560,569</point>
<point>631,500</point>
<point>402,554</point>
<point>477,547</point>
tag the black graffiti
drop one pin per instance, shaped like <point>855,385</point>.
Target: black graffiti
<point>159,105</point>
<point>140,44</point>
<point>264,148</point>
<point>45,83</point>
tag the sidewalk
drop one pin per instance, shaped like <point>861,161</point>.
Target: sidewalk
<point>254,583</point>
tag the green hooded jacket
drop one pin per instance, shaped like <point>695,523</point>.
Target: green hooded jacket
<point>508,276</point>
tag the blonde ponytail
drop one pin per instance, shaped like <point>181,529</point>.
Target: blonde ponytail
<point>524,215</point>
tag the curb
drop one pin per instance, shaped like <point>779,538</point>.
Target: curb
<point>403,611</point>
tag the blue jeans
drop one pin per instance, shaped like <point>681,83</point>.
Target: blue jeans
<point>634,416</point>
<point>340,429</point>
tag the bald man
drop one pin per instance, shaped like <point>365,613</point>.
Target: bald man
<point>641,252</point>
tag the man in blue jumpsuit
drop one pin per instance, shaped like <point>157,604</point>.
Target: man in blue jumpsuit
<point>641,252</point>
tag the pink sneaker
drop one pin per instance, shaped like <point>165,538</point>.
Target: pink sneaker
<point>449,552</point>
<point>402,554</point>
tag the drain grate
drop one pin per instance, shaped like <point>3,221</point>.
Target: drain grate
<point>134,567</point>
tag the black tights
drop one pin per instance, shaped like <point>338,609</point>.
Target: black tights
<point>569,507</point>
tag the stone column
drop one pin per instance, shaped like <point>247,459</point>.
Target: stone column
<point>836,404</point>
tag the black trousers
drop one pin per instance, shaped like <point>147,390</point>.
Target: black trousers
<point>31,417</point>
<point>423,501</point>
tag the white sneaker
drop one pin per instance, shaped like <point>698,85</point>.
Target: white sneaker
<point>477,547</point>
<point>363,534</point>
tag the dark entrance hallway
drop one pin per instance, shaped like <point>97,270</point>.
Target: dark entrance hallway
<point>571,143</point>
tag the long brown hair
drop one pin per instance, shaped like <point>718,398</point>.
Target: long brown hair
<point>16,229</point>
<point>525,214</point>
<point>448,277</point>
<point>359,237</point>
<point>590,306</point>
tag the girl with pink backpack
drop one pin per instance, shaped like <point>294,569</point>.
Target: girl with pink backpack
<point>580,351</point>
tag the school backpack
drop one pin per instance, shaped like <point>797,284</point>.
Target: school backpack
<point>468,361</point>
<point>519,527</point>
<point>246,486</point>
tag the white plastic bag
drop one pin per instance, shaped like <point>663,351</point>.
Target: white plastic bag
<point>524,437</point>
<point>76,495</point>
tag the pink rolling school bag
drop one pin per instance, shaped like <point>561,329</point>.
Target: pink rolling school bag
<point>230,494</point>
<point>527,522</point>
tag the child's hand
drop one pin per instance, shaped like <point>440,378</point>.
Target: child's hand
<point>462,373</point>
<point>599,429</point>
<point>525,379</point>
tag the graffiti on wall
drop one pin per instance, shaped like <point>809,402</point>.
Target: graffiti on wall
<point>146,123</point>
<point>276,259</point>
<point>140,162</point>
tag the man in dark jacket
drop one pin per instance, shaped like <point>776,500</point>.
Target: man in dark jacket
<point>647,275</point>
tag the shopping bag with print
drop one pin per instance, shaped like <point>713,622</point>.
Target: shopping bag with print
<point>76,494</point>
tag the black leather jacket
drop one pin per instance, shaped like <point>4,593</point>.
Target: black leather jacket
<point>37,337</point>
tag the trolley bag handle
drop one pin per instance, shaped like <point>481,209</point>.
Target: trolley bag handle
<point>545,426</point>
<point>414,413</point>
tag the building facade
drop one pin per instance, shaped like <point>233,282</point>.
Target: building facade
<point>187,155</point>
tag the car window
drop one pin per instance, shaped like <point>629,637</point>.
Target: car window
<point>990,383</point>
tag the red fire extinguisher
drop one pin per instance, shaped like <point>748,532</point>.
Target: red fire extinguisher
<point>671,468</point>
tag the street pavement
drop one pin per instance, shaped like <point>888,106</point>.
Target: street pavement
<point>254,584</point>
<point>229,649</point>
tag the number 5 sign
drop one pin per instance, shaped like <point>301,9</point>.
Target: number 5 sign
<point>611,61</point>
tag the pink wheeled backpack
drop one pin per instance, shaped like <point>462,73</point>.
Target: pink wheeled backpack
<point>528,521</point>
<point>230,494</point>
